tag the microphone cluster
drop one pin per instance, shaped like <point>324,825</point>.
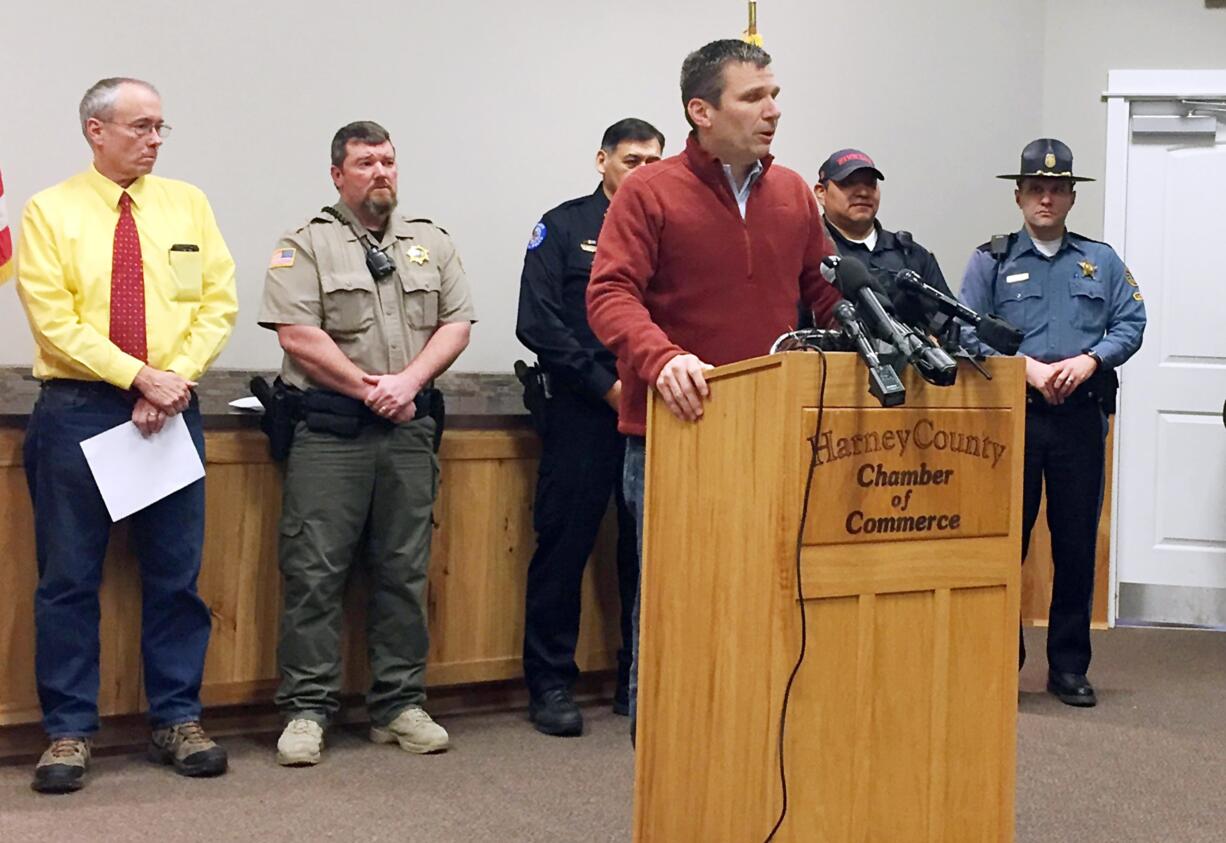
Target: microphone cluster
<point>887,343</point>
<point>993,330</point>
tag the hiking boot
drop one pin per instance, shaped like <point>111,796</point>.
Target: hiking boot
<point>414,731</point>
<point>188,748</point>
<point>62,767</point>
<point>300,743</point>
<point>555,713</point>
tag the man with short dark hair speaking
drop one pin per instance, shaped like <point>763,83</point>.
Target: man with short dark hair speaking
<point>704,256</point>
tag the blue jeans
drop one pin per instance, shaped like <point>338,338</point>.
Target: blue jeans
<point>632,482</point>
<point>71,531</point>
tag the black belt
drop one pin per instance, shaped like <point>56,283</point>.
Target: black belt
<point>325,411</point>
<point>97,389</point>
<point>1081,399</point>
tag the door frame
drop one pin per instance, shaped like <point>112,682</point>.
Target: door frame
<point>1123,88</point>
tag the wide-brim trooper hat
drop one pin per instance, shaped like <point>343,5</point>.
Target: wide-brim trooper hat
<point>1046,158</point>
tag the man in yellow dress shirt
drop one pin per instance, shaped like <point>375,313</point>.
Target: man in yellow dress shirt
<point>130,294</point>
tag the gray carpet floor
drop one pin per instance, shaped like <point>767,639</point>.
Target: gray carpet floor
<point>1147,765</point>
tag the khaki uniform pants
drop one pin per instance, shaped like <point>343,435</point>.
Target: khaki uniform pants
<point>368,500</point>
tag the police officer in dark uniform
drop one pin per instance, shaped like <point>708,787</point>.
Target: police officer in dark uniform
<point>1083,316</point>
<point>574,398</point>
<point>847,189</point>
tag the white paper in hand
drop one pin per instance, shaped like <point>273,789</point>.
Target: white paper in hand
<point>133,471</point>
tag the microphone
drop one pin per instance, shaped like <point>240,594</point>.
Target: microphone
<point>993,330</point>
<point>883,382</point>
<point>933,364</point>
<point>999,334</point>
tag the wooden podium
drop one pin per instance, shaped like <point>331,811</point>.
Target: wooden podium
<point>901,722</point>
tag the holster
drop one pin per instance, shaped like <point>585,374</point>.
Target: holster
<point>436,408</point>
<point>281,412</point>
<point>536,393</point>
<point>1107,389</point>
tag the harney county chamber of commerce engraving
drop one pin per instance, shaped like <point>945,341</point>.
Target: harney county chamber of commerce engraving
<point>915,474</point>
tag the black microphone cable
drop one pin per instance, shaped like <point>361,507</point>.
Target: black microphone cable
<point>800,596</point>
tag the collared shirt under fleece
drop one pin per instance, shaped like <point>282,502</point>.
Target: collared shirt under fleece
<point>64,278</point>
<point>678,270</point>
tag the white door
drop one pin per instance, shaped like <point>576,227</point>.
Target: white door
<point>1167,217</point>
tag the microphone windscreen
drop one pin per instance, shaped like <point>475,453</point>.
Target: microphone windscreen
<point>909,308</point>
<point>845,312</point>
<point>999,334</point>
<point>852,276</point>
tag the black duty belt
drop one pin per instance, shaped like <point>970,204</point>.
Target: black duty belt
<point>1099,390</point>
<point>324,411</point>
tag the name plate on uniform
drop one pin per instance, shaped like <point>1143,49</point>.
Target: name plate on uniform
<point>906,475</point>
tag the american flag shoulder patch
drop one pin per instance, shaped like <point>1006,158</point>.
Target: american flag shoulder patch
<point>282,258</point>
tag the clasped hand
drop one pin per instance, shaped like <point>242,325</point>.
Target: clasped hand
<point>391,396</point>
<point>1057,381</point>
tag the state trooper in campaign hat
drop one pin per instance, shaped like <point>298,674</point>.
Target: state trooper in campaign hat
<point>1083,316</point>
<point>1046,158</point>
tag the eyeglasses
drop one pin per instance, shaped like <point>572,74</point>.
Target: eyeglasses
<point>143,128</point>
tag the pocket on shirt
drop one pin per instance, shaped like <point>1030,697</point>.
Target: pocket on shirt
<point>421,294</point>
<point>1089,304</point>
<point>187,275</point>
<point>348,302</point>
<point>1020,302</point>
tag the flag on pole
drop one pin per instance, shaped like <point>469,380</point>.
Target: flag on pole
<point>751,35</point>
<point>6,240</point>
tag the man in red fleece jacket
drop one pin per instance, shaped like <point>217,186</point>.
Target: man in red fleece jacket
<point>703,257</point>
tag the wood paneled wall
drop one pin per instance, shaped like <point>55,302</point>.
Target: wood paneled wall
<point>482,544</point>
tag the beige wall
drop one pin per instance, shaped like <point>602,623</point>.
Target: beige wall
<point>497,109</point>
<point>1086,38</point>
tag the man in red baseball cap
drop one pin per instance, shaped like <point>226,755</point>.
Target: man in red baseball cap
<point>847,189</point>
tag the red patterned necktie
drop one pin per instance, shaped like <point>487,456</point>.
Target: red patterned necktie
<point>128,286</point>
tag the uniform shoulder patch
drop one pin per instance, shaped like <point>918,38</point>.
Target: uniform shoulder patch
<point>1128,279</point>
<point>538,236</point>
<point>282,258</point>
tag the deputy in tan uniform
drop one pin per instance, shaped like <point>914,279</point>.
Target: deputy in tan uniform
<point>369,306</point>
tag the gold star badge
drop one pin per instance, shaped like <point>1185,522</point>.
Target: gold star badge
<point>1050,160</point>
<point>1137,296</point>
<point>1087,269</point>
<point>418,254</point>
